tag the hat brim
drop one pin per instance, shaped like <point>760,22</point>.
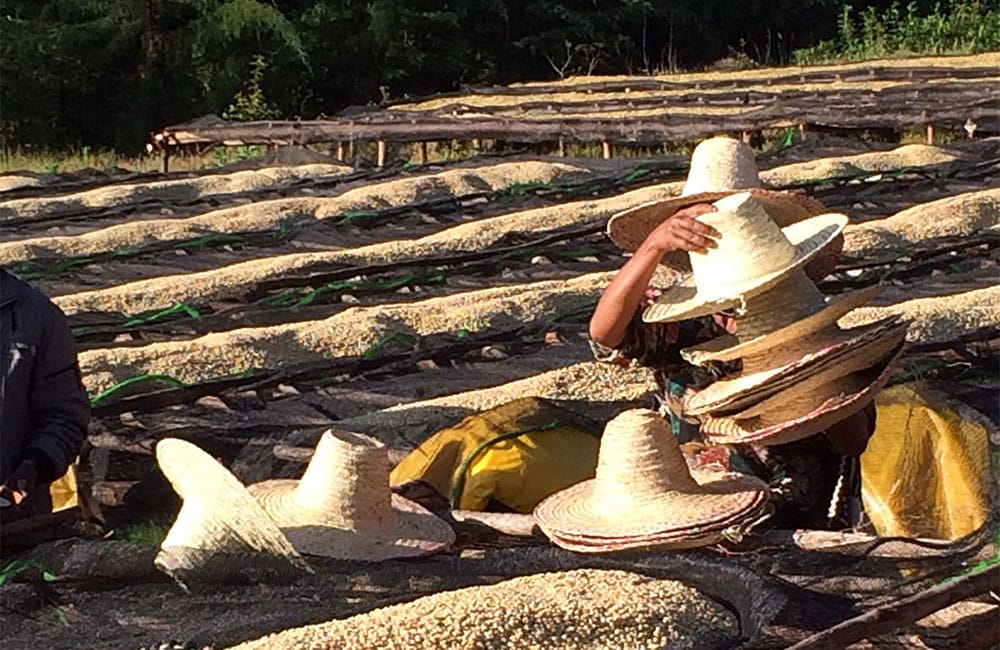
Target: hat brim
<point>729,347</point>
<point>222,506</point>
<point>721,500</point>
<point>414,531</point>
<point>826,404</point>
<point>629,228</point>
<point>684,300</point>
<point>846,350</point>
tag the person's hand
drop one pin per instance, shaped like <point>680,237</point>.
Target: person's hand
<point>19,489</point>
<point>683,232</point>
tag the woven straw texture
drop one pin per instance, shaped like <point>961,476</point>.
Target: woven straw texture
<point>805,410</point>
<point>218,516</point>
<point>730,347</point>
<point>771,371</point>
<point>343,507</point>
<point>644,493</point>
<point>752,256</point>
<point>719,167</point>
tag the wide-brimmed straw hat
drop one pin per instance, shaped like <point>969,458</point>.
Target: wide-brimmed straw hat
<point>217,517</point>
<point>789,311</point>
<point>719,167</point>
<point>644,495</point>
<point>804,409</point>
<point>753,255</point>
<point>774,370</point>
<point>343,506</point>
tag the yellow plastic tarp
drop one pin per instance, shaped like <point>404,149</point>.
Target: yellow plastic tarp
<point>64,490</point>
<point>541,450</point>
<point>926,471</point>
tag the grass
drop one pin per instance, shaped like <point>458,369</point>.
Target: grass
<point>52,162</point>
<point>148,533</point>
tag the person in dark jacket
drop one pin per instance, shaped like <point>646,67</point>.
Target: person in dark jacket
<point>44,408</point>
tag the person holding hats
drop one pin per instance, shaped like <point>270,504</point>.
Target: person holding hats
<point>806,475</point>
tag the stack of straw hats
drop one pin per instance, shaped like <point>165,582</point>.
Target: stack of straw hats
<point>644,495</point>
<point>342,508</point>
<point>800,371</point>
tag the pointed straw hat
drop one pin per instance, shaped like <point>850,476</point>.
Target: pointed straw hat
<point>644,495</point>
<point>719,167</point>
<point>804,410</point>
<point>753,255</point>
<point>774,370</point>
<point>217,517</point>
<point>343,506</point>
<point>779,315</point>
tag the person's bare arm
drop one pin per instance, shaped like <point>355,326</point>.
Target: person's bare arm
<point>619,302</point>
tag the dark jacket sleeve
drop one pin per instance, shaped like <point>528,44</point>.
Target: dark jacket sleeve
<point>58,403</point>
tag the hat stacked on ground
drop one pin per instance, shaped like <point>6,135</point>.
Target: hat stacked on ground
<point>800,371</point>
<point>221,534</point>
<point>644,495</point>
<point>343,506</point>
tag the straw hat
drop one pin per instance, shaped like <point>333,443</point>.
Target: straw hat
<point>343,507</point>
<point>719,167</point>
<point>804,409</point>
<point>644,495</point>
<point>753,255</point>
<point>774,370</point>
<point>782,314</point>
<point>218,516</point>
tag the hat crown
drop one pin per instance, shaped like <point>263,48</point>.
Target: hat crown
<point>347,481</point>
<point>721,164</point>
<point>639,459</point>
<point>750,245</point>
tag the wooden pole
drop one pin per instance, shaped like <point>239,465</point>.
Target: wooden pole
<point>477,144</point>
<point>381,153</point>
<point>887,618</point>
<point>423,153</point>
<point>802,132</point>
<point>340,150</point>
<point>562,148</point>
<point>165,159</point>
<point>930,134</point>
<point>746,137</point>
<point>609,149</point>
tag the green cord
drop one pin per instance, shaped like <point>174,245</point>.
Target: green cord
<point>103,395</point>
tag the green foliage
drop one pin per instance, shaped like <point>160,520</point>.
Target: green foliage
<point>953,26</point>
<point>249,103</point>
<point>17,567</point>
<point>148,533</point>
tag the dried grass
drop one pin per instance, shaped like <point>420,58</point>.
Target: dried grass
<point>350,332</point>
<point>271,214</point>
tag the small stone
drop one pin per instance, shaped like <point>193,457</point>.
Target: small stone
<point>212,402</point>
<point>349,299</point>
<point>180,252</point>
<point>128,419</point>
<point>284,390</point>
<point>166,212</point>
<point>553,338</point>
<point>124,337</point>
<point>540,259</point>
<point>227,248</point>
<point>495,352</point>
<point>426,218</point>
<point>427,364</point>
<point>588,258</point>
<point>404,290</point>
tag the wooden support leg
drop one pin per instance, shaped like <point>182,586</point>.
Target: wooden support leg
<point>381,153</point>
<point>930,134</point>
<point>477,144</point>
<point>609,150</point>
<point>562,147</point>
<point>802,132</point>
<point>423,153</point>
<point>746,137</point>
<point>165,159</point>
<point>340,150</point>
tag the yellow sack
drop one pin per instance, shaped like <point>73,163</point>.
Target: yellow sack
<point>515,454</point>
<point>65,491</point>
<point>926,471</point>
